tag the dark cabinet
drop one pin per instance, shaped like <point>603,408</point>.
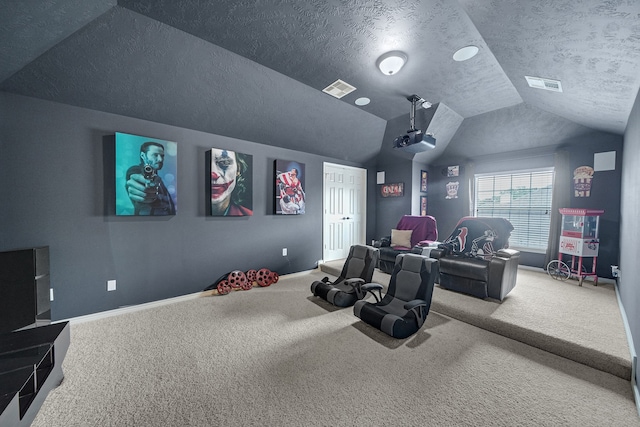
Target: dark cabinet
<point>30,367</point>
<point>24,288</point>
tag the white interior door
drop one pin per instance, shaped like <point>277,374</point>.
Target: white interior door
<point>344,219</point>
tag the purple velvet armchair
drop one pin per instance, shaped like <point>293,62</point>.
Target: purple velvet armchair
<point>410,232</point>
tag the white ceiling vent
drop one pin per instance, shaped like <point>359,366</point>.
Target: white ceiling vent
<point>546,84</point>
<point>339,89</point>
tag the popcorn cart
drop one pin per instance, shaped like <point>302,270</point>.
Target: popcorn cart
<point>578,240</point>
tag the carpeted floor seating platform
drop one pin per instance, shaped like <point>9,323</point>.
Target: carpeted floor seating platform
<point>278,356</point>
<point>580,323</point>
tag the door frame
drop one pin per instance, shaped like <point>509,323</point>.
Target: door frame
<point>363,199</point>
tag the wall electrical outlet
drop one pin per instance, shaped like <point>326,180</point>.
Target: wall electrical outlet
<point>615,271</point>
<point>111,285</point>
<point>284,251</point>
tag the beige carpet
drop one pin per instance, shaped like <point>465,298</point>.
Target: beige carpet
<point>582,323</point>
<point>278,356</point>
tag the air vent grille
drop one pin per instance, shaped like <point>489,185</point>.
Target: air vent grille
<point>546,84</point>
<point>338,89</point>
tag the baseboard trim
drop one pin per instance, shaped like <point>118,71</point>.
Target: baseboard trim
<point>632,349</point>
<point>144,306</point>
<point>540,269</point>
<point>634,383</point>
<point>132,308</point>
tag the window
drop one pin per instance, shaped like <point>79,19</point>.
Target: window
<point>524,198</point>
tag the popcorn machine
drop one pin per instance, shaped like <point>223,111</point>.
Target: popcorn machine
<point>579,241</point>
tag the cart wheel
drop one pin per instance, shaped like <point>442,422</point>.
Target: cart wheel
<point>558,270</point>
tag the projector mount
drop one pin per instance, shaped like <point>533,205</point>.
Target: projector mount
<point>415,99</point>
<point>415,140</point>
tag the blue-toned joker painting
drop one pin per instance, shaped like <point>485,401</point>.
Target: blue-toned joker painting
<point>146,175</point>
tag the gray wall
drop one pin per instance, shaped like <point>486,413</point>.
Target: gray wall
<point>56,185</point>
<point>605,192</point>
<point>389,210</point>
<point>446,211</point>
<point>52,169</point>
<point>398,167</point>
<point>630,228</point>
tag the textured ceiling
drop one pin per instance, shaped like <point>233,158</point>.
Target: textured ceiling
<point>255,69</point>
<point>28,28</point>
<point>319,41</point>
<point>591,46</point>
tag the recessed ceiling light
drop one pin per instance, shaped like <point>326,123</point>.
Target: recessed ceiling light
<point>465,53</point>
<point>391,62</point>
<point>362,101</point>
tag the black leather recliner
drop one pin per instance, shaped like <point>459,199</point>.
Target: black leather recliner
<point>357,270</point>
<point>475,258</point>
<point>404,308</point>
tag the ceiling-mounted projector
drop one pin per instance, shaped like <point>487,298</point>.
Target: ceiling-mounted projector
<point>415,140</point>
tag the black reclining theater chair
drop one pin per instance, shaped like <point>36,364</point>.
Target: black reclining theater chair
<point>475,259</point>
<point>356,271</point>
<point>403,310</point>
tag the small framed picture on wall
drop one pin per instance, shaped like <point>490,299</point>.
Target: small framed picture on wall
<point>392,190</point>
<point>423,205</point>
<point>290,198</point>
<point>423,181</point>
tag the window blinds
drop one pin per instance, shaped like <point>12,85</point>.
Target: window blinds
<point>524,198</point>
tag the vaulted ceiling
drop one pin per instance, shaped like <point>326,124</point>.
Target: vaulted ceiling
<point>255,70</point>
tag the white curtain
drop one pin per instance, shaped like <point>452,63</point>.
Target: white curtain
<point>470,179</point>
<point>560,199</point>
